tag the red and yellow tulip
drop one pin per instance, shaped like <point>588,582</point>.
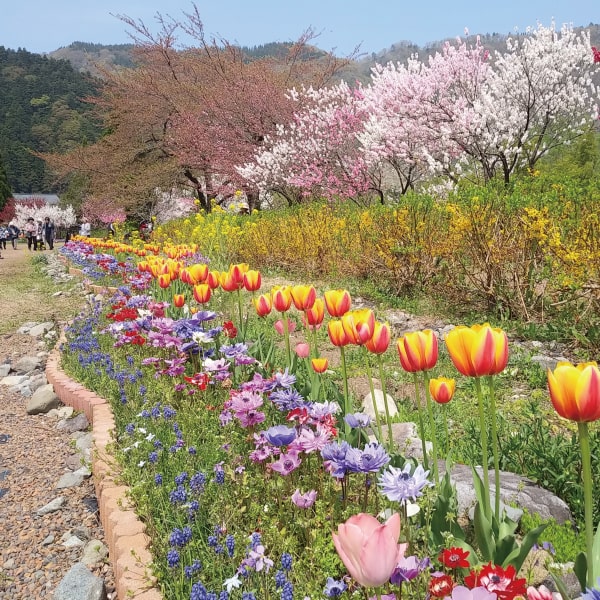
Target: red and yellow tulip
<point>338,302</point>
<point>319,365</point>
<point>418,351</point>
<point>359,325</point>
<point>178,300</point>
<point>202,293</point>
<point>303,296</point>
<point>380,341</point>
<point>337,335</point>
<point>442,389</point>
<point>575,391</point>
<point>313,317</point>
<point>263,305</point>
<point>282,298</point>
<point>252,280</point>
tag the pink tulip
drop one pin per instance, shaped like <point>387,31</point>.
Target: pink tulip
<point>302,350</point>
<point>541,593</point>
<point>368,549</point>
<point>279,326</point>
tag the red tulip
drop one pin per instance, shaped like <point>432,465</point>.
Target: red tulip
<point>263,305</point>
<point>418,351</point>
<point>337,335</point>
<point>442,389</point>
<point>575,391</point>
<point>303,296</point>
<point>252,281</point>
<point>282,298</point>
<point>359,325</point>
<point>368,549</point>
<point>178,300</point>
<point>202,293</point>
<point>212,279</point>
<point>164,280</point>
<point>338,302</point>
<point>380,341</point>
<point>313,317</point>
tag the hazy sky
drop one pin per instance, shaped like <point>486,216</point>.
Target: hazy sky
<point>46,25</point>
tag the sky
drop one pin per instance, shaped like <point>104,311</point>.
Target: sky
<point>46,25</point>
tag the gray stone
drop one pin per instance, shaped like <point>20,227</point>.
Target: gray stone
<point>72,541</point>
<point>367,404</point>
<point>84,445</point>
<point>406,440</point>
<point>73,461</point>
<point>547,362</point>
<point>82,532</point>
<point>48,540</point>
<point>51,507</point>
<point>94,552</point>
<point>42,400</point>
<point>37,381</point>
<point>80,584</point>
<point>9,564</point>
<point>514,490</point>
<point>71,479</point>
<point>77,423</point>
<point>4,369</point>
<point>26,364</point>
<point>64,412</point>
<point>13,380</point>
<point>41,329</point>
<point>26,327</point>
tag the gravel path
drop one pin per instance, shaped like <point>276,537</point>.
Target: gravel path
<point>33,457</point>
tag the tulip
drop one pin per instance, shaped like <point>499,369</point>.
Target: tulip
<point>302,350</point>
<point>575,395</point>
<point>319,365</point>
<point>380,341</point>
<point>337,334</point>
<point>197,273</point>
<point>229,281</point>
<point>368,549</point>
<point>164,280</point>
<point>338,338</point>
<point>280,326</point>
<point>252,281</point>
<point>478,350</point>
<point>442,389</point>
<point>178,300</point>
<point>338,302</point>
<point>202,293</point>
<point>212,279</point>
<point>359,325</point>
<point>418,351</point>
<point>303,296</point>
<point>263,305</point>
<point>282,298</point>
<point>313,316</point>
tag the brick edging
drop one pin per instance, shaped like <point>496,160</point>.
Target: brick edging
<point>128,544</point>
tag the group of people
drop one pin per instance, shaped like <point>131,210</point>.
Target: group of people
<point>8,233</point>
<point>39,235</point>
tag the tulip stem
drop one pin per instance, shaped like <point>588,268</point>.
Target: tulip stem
<point>286,333</point>
<point>584,442</point>
<point>373,399</point>
<point>490,382</point>
<point>487,509</point>
<point>432,428</point>
<point>385,402</point>
<point>421,426</point>
<point>346,394</point>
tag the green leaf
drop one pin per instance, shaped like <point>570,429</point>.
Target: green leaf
<point>560,586</point>
<point>580,569</point>
<point>484,536</point>
<point>519,554</point>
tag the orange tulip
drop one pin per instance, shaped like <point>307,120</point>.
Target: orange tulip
<point>252,281</point>
<point>319,365</point>
<point>202,293</point>
<point>337,335</point>
<point>418,351</point>
<point>263,305</point>
<point>282,298</point>
<point>229,281</point>
<point>380,341</point>
<point>313,317</point>
<point>442,389</point>
<point>197,273</point>
<point>575,391</point>
<point>303,296</point>
<point>178,300</point>
<point>338,302</point>
<point>359,325</point>
<point>478,350</point>
<point>212,280</point>
<point>164,280</point>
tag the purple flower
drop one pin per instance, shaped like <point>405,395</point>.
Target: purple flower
<point>398,485</point>
<point>460,592</point>
<point>320,410</point>
<point>280,435</point>
<point>287,463</point>
<point>334,587</point>
<point>250,418</point>
<point>282,380</point>
<point>311,440</point>
<point>408,568</point>
<point>245,400</point>
<point>356,420</point>
<point>304,500</point>
<point>334,455</point>
<point>286,399</point>
<point>369,460</point>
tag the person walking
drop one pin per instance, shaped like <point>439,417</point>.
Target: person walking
<point>3,235</point>
<point>30,230</point>
<point>13,234</point>
<point>39,235</point>
<point>48,230</point>
<point>85,228</point>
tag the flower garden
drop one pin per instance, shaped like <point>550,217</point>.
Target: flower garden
<point>247,454</point>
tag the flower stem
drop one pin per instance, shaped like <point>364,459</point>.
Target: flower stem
<point>347,409</point>
<point>487,509</point>
<point>385,403</point>
<point>286,333</point>
<point>373,400</point>
<point>421,426</point>
<point>586,463</point>
<point>432,428</point>
<point>490,382</point>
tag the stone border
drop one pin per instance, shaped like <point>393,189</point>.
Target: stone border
<point>127,541</point>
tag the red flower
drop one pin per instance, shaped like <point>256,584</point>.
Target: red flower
<point>454,558</point>
<point>298,414</point>
<point>200,380</point>
<point>440,586</point>
<point>229,329</point>
<point>499,581</point>
<point>596,54</point>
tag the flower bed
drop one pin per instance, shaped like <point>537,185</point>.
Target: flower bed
<point>242,456</point>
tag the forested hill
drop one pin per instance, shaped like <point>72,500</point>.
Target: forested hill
<point>41,109</point>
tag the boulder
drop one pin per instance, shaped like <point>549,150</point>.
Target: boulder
<point>41,329</point>
<point>43,400</point>
<point>367,404</point>
<point>27,364</point>
<point>77,423</point>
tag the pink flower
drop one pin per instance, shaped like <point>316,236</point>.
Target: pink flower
<point>304,500</point>
<point>302,350</point>
<point>286,463</point>
<point>368,549</point>
<point>541,593</point>
<point>279,326</point>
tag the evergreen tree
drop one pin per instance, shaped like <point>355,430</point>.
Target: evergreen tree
<point>5,192</point>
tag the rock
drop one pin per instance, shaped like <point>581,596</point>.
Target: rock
<point>9,564</point>
<point>84,445</point>
<point>62,413</point>
<point>4,369</point>
<point>514,490</point>
<point>71,479</point>
<point>367,405</point>
<point>42,400</point>
<point>94,552</point>
<point>51,507</point>
<point>72,541</point>
<point>82,532</point>
<point>80,584</point>
<point>547,362</point>
<point>41,329</point>
<point>48,540</point>
<point>26,327</point>
<point>26,364</point>
<point>77,423</point>
<point>13,380</point>
<point>37,381</point>
<point>406,440</point>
